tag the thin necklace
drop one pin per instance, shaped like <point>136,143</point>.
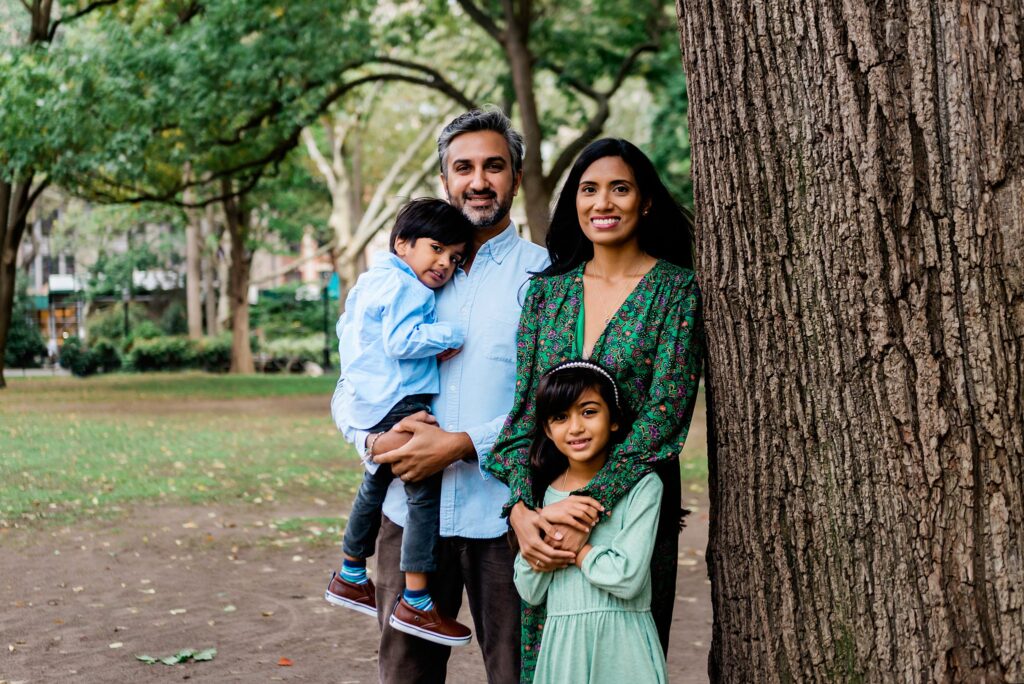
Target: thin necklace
<point>632,280</point>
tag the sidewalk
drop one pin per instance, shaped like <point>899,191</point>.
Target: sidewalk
<point>55,372</point>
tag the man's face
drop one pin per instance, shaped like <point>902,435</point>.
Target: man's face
<point>479,179</point>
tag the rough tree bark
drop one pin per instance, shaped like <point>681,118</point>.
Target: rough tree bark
<point>859,182</point>
<point>238,220</point>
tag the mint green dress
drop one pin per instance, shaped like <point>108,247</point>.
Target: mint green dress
<point>599,627</point>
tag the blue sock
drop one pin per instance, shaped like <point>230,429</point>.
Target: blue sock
<point>353,571</point>
<point>418,599</point>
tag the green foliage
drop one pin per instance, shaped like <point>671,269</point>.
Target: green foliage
<point>108,323</point>
<point>290,350</point>
<point>76,357</point>
<point>145,330</point>
<point>278,314</point>
<point>161,353</point>
<point>25,344</point>
<point>105,355</point>
<point>174,320</point>
<point>213,354</point>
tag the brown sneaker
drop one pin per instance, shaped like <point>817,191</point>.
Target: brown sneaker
<point>360,597</point>
<point>429,625</point>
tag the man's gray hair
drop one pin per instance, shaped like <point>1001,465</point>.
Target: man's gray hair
<point>488,118</point>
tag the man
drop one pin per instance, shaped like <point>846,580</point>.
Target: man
<point>481,168</point>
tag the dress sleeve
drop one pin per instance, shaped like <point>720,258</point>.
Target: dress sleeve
<point>622,567</point>
<point>531,584</point>
<point>509,458</point>
<point>663,421</point>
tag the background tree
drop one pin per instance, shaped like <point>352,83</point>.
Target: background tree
<point>31,147</point>
<point>859,186</point>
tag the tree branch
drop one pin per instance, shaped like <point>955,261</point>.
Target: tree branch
<point>77,15</point>
<point>596,123</point>
<point>30,200</point>
<point>483,20</point>
<point>436,81</point>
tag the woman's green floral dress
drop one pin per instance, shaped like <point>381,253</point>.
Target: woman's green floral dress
<point>654,347</point>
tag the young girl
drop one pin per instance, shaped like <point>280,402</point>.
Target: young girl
<point>599,626</point>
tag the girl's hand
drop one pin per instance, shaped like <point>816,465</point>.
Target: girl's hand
<point>572,539</point>
<point>528,526</point>
<point>578,512</point>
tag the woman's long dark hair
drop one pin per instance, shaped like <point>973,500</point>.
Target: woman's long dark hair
<point>558,390</point>
<point>665,232</point>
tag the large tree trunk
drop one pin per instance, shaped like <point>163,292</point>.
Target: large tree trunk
<point>859,182</point>
<point>237,219</point>
<point>15,200</point>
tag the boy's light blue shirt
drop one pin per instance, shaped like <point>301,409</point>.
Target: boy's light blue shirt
<point>477,385</point>
<point>388,339</point>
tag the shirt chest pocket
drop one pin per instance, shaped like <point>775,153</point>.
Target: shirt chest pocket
<point>499,340</point>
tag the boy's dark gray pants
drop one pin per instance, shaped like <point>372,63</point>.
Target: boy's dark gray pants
<point>484,568</point>
<point>423,497</point>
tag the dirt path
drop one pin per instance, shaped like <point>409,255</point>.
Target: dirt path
<point>77,604</point>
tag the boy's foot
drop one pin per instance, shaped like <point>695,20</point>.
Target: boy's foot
<point>360,597</point>
<point>429,625</point>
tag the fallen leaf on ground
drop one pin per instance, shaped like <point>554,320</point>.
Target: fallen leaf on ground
<point>285,662</point>
<point>116,644</point>
<point>184,655</point>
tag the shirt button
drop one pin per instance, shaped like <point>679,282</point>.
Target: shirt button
<point>451,426</point>
<point>451,388</point>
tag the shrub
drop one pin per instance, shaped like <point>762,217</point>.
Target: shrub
<point>174,320</point>
<point>76,358</point>
<point>145,330</point>
<point>108,323</point>
<point>25,345</point>
<point>162,353</point>
<point>105,356</point>
<point>213,354</point>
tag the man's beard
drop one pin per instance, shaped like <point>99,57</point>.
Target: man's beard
<point>482,218</point>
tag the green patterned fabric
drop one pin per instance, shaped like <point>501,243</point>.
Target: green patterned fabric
<point>654,347</point>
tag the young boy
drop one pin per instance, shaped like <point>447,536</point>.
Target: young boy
<point>388,341</point>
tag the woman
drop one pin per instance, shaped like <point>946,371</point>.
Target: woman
<point>620,290</point>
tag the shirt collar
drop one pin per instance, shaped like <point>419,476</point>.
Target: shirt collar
<point>390,260</point>
<point>500,245</point>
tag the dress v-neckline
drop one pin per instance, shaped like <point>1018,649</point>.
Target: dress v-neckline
<point>578,342</point>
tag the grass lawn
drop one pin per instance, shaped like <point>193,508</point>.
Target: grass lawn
<point>74,447</point>
<point>71,448</point>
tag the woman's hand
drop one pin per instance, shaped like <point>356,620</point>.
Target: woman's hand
<point>528,526</point>
<point>578,512</point>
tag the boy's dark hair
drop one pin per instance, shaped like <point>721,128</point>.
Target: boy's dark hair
<point>557,390</point>
<point>427,217</point>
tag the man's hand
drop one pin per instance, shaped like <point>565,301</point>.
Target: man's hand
<point>392,439</point>
<point>528,526</point>
<point>429,451</point>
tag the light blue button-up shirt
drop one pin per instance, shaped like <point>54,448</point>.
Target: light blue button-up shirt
<point>388,339</point>
<point>477,385</point>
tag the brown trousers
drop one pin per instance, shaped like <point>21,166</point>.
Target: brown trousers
<point>484,568</point>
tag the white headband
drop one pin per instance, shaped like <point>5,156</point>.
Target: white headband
<point>589,366</point>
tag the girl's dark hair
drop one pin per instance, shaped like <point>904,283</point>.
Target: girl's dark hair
<point>557,390</point>
<point>431,218</point>
<point>665,232</point>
